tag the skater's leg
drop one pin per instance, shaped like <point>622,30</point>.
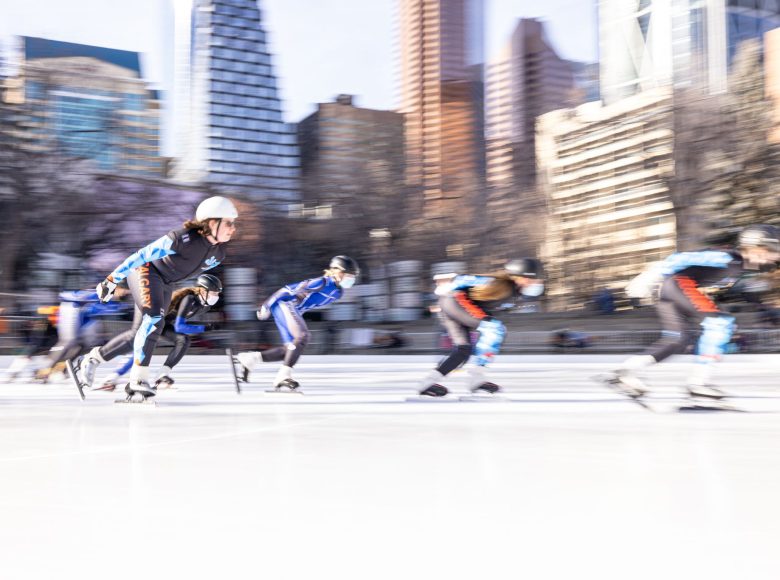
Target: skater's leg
<point>295,336</point>
<point>181,344</point>
<point>122,343</point>
<point>458,324</point>
<point>674,310</point>
<point>156,298</point>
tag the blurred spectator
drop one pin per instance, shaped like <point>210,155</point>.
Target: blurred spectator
<point>566,338</point>
<point>605,301</point>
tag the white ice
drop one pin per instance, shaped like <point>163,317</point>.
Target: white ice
<point>562,479</point>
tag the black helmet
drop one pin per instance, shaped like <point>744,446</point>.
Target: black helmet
<point>210,282</point>
<point>345,264</point>
<point>761,235</point>
<point>525,267</point>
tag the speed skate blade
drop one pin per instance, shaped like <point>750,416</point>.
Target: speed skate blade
<point>75,378</point>
<point>133,401</point>
<point>283,392</point>
<point>426,399</point>
<point>708,407</point>
<point>483,398</point>
<point>233,362</point>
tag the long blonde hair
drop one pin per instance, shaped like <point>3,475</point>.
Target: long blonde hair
<point>502,286</point>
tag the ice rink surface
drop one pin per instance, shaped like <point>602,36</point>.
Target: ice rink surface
<point>560,479</point>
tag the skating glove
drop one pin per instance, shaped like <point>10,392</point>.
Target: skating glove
<point>264,313</point>
<point>645,285</point>
<point>105,290</point>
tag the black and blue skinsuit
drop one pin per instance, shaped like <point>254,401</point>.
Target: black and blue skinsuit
<point>151,273</point>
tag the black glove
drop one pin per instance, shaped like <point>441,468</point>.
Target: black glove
<point>212,326</point>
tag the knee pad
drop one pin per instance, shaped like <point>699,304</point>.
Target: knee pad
<point>491,335</point>
<point>717,331</point>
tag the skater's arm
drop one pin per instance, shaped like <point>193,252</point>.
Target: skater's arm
<point>682,260</point>
<point>157,249</point>
<point>297,291</point>
<point>646,284</point>
<point>461,282</point>
<point>180,324</point>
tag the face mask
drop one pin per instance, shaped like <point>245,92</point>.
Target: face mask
<point>347,281</point>
<point>532,289</point>
<point>211,299</point>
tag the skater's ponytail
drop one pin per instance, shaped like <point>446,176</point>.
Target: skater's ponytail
<point>179,295</point>
<point>499,288</point>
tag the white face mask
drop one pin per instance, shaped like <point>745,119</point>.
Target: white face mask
<point>348,281</point>
<point>212,298</point>
<point>533,289</point>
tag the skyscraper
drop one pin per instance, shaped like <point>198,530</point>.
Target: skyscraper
<point>651,43</point>
<point>442,99</point>
<point>526,80</point>
<point>84,101</point>
<point>227,112</point>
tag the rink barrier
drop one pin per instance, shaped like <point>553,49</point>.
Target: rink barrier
<point>250,335</point>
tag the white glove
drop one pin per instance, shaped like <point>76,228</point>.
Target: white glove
<point>264,313</point>
<point>105,290</point>
<point>645,285</point>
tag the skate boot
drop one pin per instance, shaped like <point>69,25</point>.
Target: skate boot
<point>489,388</point>
<point>89,365</point>
<point>284,383</point>
<point>434,390</point>
<point>109,384</point>
<point>247,361</point>
<point>626,383</point>
<point>705,392</point>
<point>288,385</point>
<point>164,382</point>
<point>478,383</point>
<point>705,397</point>
<point>164,379</point>
<point>139,391</point>
<point>430,387</point>
<point>42,375</point>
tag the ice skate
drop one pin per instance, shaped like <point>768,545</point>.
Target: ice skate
<point>706,398</point>
<point>626,383</point>
<point>288,385</point>
<point>164,379</point>
<point>88,366</point>
<point>138,392</point>
<point>73,367</point>
<point>108,385</point>
<point>164,382</point>
<point>245,364</point>
<point>486,389</point>
<point>234,370</point>
<point>434,390</point>
<point>478,383</point>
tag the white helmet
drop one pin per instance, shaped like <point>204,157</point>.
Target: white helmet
<point>216,207</point>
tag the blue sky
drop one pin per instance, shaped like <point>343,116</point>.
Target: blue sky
<point>320,47</point>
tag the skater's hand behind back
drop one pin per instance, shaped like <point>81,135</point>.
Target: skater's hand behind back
<point>264,313</point>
